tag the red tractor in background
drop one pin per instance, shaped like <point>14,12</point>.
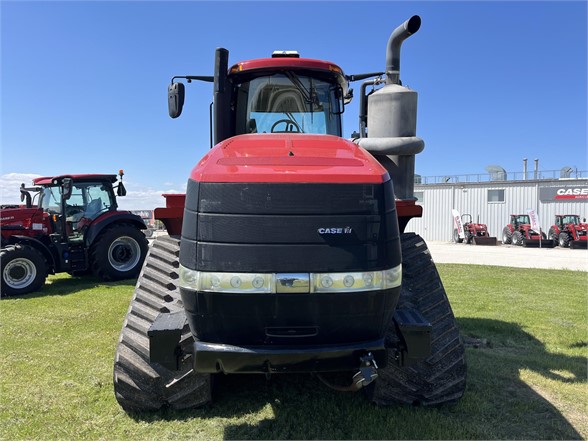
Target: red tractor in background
<point>474,233</point>
<point>519,232</point>
<point>569,231</point>
<point>74,227</point>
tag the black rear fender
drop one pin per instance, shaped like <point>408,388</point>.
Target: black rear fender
<point>100,224</point>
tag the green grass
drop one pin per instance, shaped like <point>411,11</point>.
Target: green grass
<point>527,379</point>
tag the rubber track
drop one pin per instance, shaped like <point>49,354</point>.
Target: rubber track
<point>138,384</point>
<point>441,378</point>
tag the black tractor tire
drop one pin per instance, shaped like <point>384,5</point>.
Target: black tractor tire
<point>140,385</point>
<point>506,236</point>
<point>469,237</point>
<point>552,234</point>
<point>564,239</point>
<point>517,238</point>
<point>24,270</point>
<point>456,237</point>
<point>440,378</point>
<point>118,252</point>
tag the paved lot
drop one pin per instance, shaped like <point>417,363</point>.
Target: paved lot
<point>509,255</point>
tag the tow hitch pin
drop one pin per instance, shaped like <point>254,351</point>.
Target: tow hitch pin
<point>367,371</point>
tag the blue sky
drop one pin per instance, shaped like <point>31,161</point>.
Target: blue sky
<point>83,84</point>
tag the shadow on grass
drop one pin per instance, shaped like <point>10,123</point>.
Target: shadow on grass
<point>497,403</point>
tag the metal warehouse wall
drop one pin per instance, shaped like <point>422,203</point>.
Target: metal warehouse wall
<point>437,201</point>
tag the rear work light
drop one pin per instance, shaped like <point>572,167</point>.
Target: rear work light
<point>284,283</point>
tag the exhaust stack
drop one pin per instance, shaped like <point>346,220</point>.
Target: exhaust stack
<point>391,118</point>
<point>401,33</point>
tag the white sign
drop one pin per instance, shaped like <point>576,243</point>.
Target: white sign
<point>457,223</point>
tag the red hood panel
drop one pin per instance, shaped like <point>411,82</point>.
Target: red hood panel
<point>288,158</point>
<point>16,216</point>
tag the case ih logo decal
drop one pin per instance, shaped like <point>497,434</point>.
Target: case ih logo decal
<point>335,230</point>
<point>570,194</point>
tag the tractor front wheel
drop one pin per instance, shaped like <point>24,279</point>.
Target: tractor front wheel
<point>517,238</point>
<point>564,239</point>
<point>553,236</point>
<point>118,252</point>
<point>456,237</point>
<point>23,270</point>
<point>506,236</point>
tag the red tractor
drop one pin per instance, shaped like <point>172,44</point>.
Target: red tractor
<point>474,233</point>
<point>568,231</point>
<point>519,232</point>
<point>287,254</point>
<point>74,227</point>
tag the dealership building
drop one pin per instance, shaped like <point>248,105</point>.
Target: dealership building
<point>491,199</point>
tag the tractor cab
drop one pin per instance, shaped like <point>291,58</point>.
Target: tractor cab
<point>73,202</point>
<point>281,94</point>
<point>287,94</point>
<point>519,219</point>
<point>562,221</point>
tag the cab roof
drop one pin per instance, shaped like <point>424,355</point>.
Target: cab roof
<point>260,66</point>
<point>48,180</point>
<point>285,63</point>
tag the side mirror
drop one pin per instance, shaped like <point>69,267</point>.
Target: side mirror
<point>121,190</point>
<point>347,99</point>
<point>338,104</point>
<point>66,188</point>
<point>175,99</point>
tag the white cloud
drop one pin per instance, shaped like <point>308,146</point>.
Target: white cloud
<point>10,186</point>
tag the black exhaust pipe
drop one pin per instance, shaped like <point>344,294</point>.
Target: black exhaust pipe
<point>401,33</point>
<point>222,96</point>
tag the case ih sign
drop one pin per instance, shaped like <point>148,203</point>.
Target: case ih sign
<point>568,194</point>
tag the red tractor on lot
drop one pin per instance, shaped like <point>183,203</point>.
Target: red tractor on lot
<point>288,252</point>
<point>569,231</point>
<point>474,233</point>
<point>74,227</point>
<point>519,232</point>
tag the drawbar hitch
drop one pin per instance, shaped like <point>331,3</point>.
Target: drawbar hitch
<point>366,374</point>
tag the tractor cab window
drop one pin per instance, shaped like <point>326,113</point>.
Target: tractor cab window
<point>51,200</point>
<point>523,219</point>
<point>288,103</point>
<point>571,220</point>
<point>88,200</point>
